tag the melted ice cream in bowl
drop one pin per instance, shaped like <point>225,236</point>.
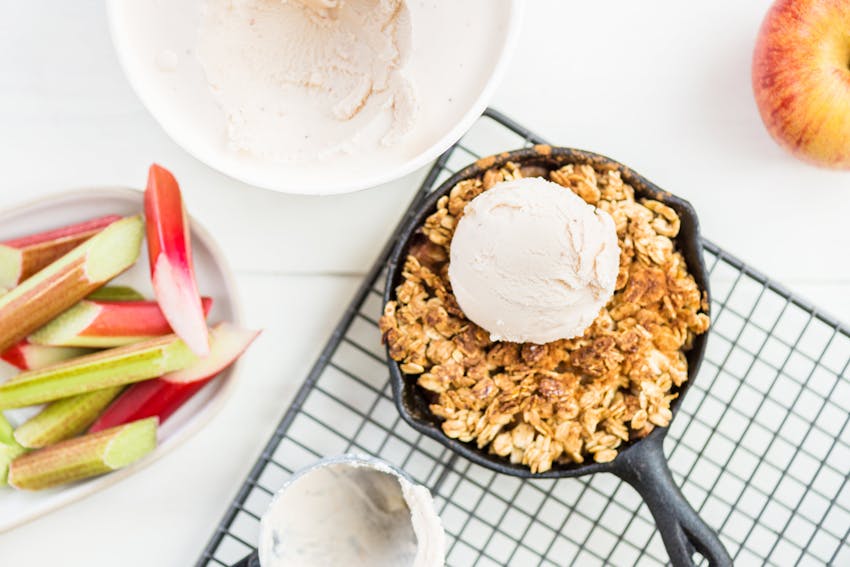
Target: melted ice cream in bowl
<point>272,92</point>
<point>350,511</point>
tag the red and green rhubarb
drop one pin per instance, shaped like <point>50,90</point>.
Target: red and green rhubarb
<point>84,457</point>
<point>64,418</point>
<point>69,279</point>
<point>163,396</point>
<point>103,324</point>
<point>28,356</point>
<point>22,257</point>
<point>104,369</point>
<point>170,252</point>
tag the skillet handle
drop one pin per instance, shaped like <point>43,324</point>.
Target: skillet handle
<point>645,468</point>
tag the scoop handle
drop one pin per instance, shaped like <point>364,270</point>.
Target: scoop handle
<point>252,560</point>
<point>644,466</point>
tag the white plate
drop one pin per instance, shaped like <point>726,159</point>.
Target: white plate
<point>459,52</point>
<point>214,279</point>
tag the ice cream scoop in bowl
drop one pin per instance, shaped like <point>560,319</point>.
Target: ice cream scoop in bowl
<point>458,403</point>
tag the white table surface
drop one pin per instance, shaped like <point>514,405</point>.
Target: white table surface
<point>661,85</point>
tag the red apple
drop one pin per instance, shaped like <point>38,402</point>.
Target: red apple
<point>801,78</point>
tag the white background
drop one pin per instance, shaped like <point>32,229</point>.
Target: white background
<point>661,85</point>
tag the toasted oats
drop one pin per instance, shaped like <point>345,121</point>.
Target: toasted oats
<point>567,400</point>
<point>502,444</point>
<point>581,179</point>
<point>667,223</point>
<point>605,456</point>
<point>639,419</point>
<point>412,368</point>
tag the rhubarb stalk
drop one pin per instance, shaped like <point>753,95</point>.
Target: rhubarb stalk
<point>69,279</point>
<point>22,257</point>
<point>104,324</point>
<point>27,356</point>
<point>84,457</point>
<point>7,432</point>
<point>170,252</point>
<point>151,398</point>
<point>163,396</point>
<point>114,367</point>
<point>115,293</point>
<point>64,418</point>
<point>9,448</point>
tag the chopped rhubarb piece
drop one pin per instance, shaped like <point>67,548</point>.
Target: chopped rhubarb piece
<point>6,430</point>
<point>8,453</point>
<point>170,251</point>
<point>228,342</point>
<point>64,418</point>
<point>163,396</point>
<point>22,257</point>
<point>115,293</point>
<point>103,324</point>
<point>27,356</point>
<point>9,448</point>
<point>151,398</point>
<point>69,279</point>
<point>84,457</point>
<point>114,367</point>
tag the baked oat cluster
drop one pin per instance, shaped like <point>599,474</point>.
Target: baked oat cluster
<point>568,400</point>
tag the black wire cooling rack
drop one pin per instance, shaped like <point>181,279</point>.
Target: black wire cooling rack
<point>761,445</point>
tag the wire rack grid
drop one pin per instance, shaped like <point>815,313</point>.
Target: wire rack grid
<point>760,447</point>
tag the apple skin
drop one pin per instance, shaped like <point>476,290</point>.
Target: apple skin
<point>801,79</point>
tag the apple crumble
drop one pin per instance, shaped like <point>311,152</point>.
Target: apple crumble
<point>568,400</point>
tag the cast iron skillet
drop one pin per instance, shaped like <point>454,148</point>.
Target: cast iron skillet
<point>640,463</point>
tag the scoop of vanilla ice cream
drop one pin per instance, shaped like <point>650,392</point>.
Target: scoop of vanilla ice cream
<point>531,261</point>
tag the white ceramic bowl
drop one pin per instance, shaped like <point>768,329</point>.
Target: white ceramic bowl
<point>459,52</point>
<point>421,507</point>
<point>214,279</point>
